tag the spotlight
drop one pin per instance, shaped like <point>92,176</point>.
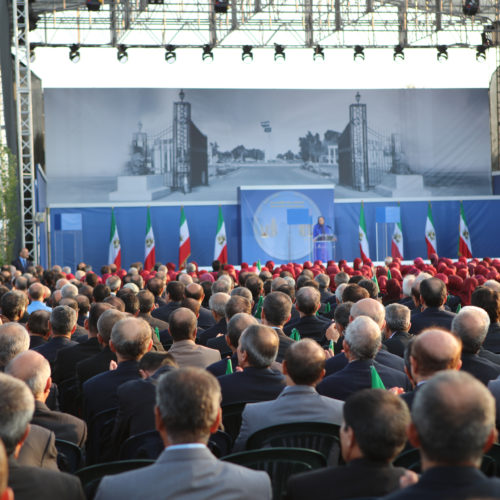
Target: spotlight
<point>359,53</point>
<point>208,55</point>
<point>319,54</point>
<point>442,54</point>
<point>470,7</point>
<point>481,53</point>
<point>246,55</point>
<point>399,54</point>
<point>74,53</point>
<point>279,53</point>
<point>122,55</point>
<point>93,5</point>
<point>220,6</point>
<point>170,56</point>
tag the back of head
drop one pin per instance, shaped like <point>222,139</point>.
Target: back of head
<point>32,368</point>
<point>114,283</point>
<point>194,291</point>
<point>36,291</point>
<point>342,314</point>
<point>14,339</point>
<point>433,292</point>
<point>370,287</point>
<point>191,304</point>
<point>471,326</point>
<point>277,308</point>
<point>379,420</point>
<point>131,338</point>
<point>155,286</point>
<point>339,293</point>
<point>305,362</point>
<point>222,285</point>
<point>100,292</point>
<point>153,360</point>
<point>217,303</point>
<point>488,299</point>
<point>435,350</point>
<point>362,336</point>
<point>146,301</point>
<point>341,278</point>
<point>175,291</point>
<point>130,300</point>
<point>237,304</point>
<point>106,322</point>
<point>16,411</point>
<point>353,293</point>
<point>255,285</point>
<point>241,291</point>
<point>115,302</point>
<point>323,281</point>
<point>188,401</point>
<point>397,318</point>
<point>83,304</point>
<point>407,284</point>
<point>182,324</point>
<point>308,300</point>
<point>371,308</point>
<point>454,415</point>
<point>95,313</point>
<point>69,291</point>
<point>260,343</point>
<point>13,304</point>
<point>38,322</point>
<point>62,320</point>
<point>237,324</point>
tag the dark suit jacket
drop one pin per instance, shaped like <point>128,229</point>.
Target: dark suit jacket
<point>164,312</point>
<point>339,361</point>
<point>294,316</point>
<point>447,483</point>
<point>205,318</point>
<point>36,341</point>
<point>100,392</point>
<point>252,384</point>
<point>154,322</point>
<point>310,327</point>
<point>19,265</point>
<point>359,478</point>
<point>409,396</point>
<point>39,449</point>
<point>94,365</point>
<point>490,356</point>
<point>29,483</point>
<point>219,368</point>
<point>432,316</point>
<point>220,344</point>
<point>63,425</point>
<point>80,335</point>
<point>492,341</point>
<point>67,358</point>
<point>481,368</point>
<point>285,343</point>
<point>397,343</point>
<point>53,346</point>
<point>213,331</point>
<point>356,376</point>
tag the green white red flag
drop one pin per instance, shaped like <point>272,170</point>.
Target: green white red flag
<point>464,244</point>
<point>149,245</point>
<point>364,249</point>
<point>220,251</point>
<point>184,241</point>
<point>430,233</point>
<point>397,241</point>
<point>115,251</point>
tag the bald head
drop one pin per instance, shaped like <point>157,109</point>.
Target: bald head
<point>432,351</point>
<point>362,339</point>
<point>130,338</point>
<point>304,362</point>
<point>308,300</point>
<point>36,291</point>
<point>258,347</point>
<point>185,279</point>
<point>34,369</point>
<point>195,291</point>
<point>182,324</point>
<point>371,308</point>
<point>471,326</point>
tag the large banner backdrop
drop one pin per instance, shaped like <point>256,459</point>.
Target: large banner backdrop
<point>142,145</point>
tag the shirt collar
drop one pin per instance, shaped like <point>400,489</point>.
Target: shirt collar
<point>186,446</point>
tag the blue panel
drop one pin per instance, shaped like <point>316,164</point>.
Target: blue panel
<point>298,216</point>
<point>496,184</point>
<point>71,222</point>
<point>385,215</point>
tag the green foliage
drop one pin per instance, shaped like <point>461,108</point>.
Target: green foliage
<point>9,215</point>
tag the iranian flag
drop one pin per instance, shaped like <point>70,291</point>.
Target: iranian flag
<point>397,241</point>
<point>149,248</point>
<point>363,238</point>
<point>430,233</point>
<point>184,241</point>
<point>220,252</point>
<point>115,250</point>
<point>464,245</point>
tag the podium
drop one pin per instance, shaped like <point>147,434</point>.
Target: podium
<point>324,247</point>
<point>385,219</point>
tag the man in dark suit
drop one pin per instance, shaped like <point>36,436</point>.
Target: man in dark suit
<point>453,424</point>
<point>62,325</point>
<point>175,293</point>
<point>489,300</point>
<point>361,343</point>
<point>257,350</point>
<point>146,306</point>
<point>430,352</point>
<point>433,297</point>
<point>157,286</point>
<point>38,328</point>
<point>373,432</point>
<point>397,325</point>
<point>27,483</point>
<point>22,262</point>
<point>34,370</point>
<point>13,306</point>
<point>217,304</point>
<point>130,340</point>
<point>196,292</point>
<point>307,302</point>
<point>471,326</point>
<point>323,281</point>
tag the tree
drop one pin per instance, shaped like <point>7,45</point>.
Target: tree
<point>8,204</point>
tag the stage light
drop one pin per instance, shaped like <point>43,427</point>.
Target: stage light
<point>220,6</point>
<point>208,55</point>
<point>279,53</point>
<point>122,55</point>
<point>399,54</point>
<point>32,54</point>
<point>93,5</point>
<point>470,7</point>
<point>442,54</point>
<point>247,55</point>
<point>170,55</point>
<point>481,53</point>
<point>319,54</point>
<point>74,53</point>
<point>359,53</point>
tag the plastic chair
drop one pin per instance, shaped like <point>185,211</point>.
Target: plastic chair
<point>494,454</point>
<point>99,434</point>
<point>279,463</point>
<point>91,476</point>
<point>69,456</point>
<point>220,444</point>
<point>148,445</point>
<point>231,418</point>
<point>318,436</point>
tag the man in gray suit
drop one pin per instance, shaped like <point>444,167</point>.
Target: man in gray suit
<point>187,412</point>
<point>304,367</point>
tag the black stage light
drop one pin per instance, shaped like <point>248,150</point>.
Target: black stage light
<point>170,55</point>
<point>481,53</point>
<point>74,53</point>
<point>122,55</point>
<point>220,6</point>
<point>93,5</point>
<point>442,54</point>
<point>399,54</point>
<point>470,7</point>
<point>247,55</point>
<point>208,55</point>
<point>279,53</point>
<point>319,54</point>
<point>359,53</point>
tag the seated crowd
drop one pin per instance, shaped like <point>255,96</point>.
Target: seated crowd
<point>188,369</point>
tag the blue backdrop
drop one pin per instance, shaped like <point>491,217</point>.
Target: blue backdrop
<point>481,214</point>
